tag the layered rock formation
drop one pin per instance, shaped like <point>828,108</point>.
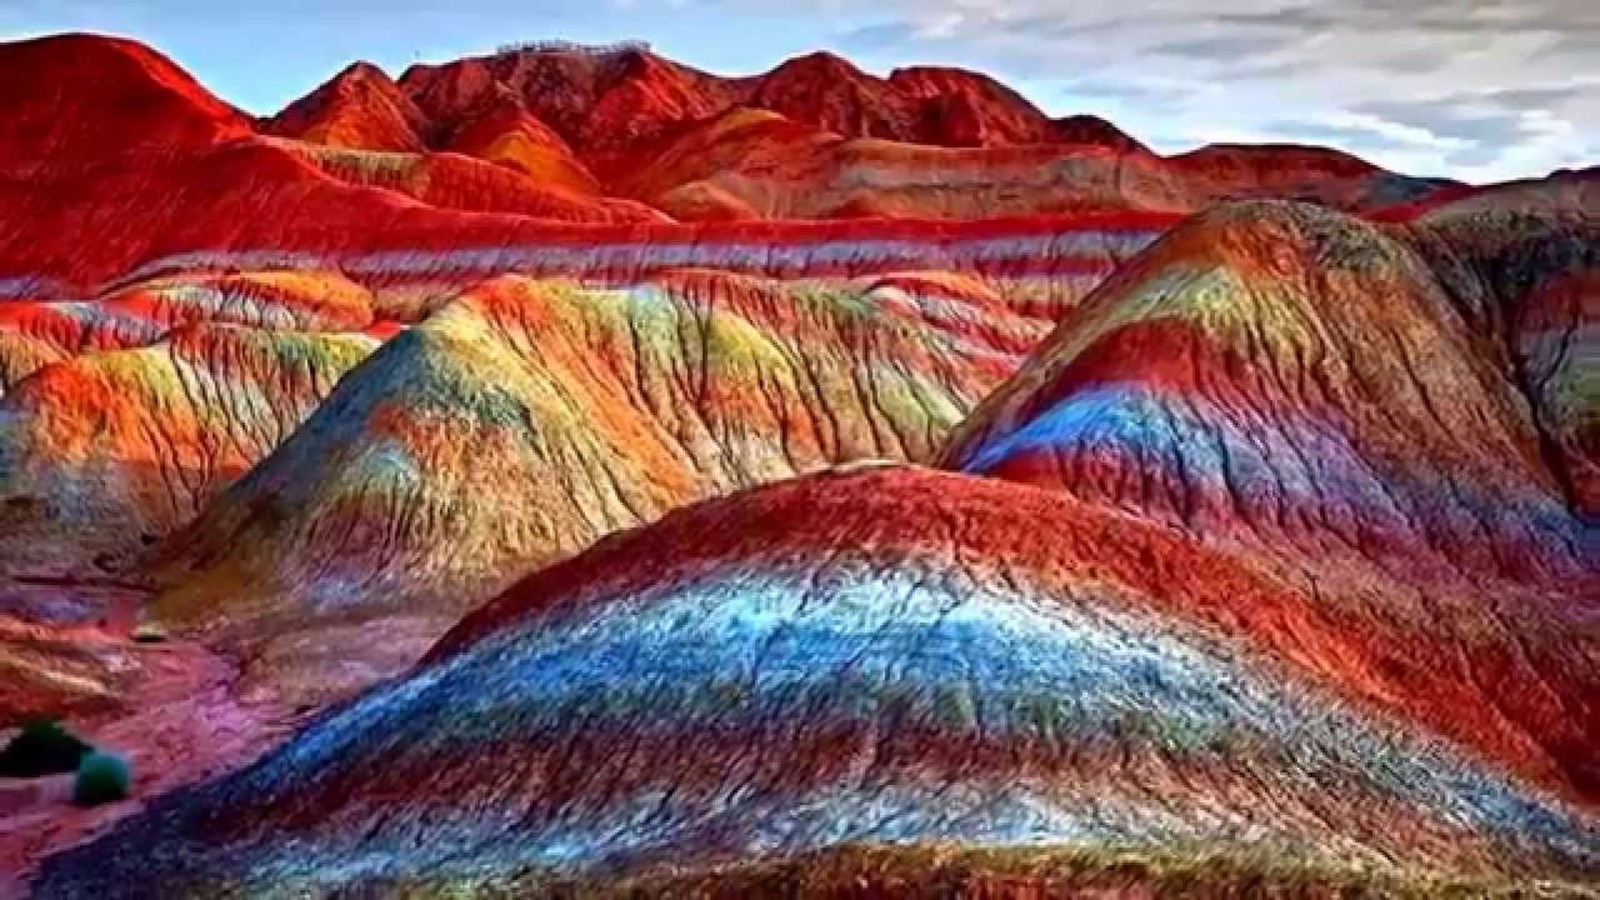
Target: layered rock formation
<point>899,660</point>
<point>33,333</point>
<point>361,108</point>
<point>1270,567</point>
<point>105,453</point>
<point>618,108</point>
<point>1523,259</point>
<point>526,419</point>
<point>197,187</point>
<point>452,181</point>
<point>749,163</point>
<point>1306,392</point>
<point>45,673</point>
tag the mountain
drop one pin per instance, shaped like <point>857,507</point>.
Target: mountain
<point>539,436</point>
<point>599,98</point>
<point>525,420</point>
<point>1295,172</point>
<point>196,182</point>
<point>781,169</point>
<point>968,109</point>
<point>892,663</point>
<point>361,108</point>
<point>196,189</point>
<point>104,453</point>
<point>33,333</point>
<point>1305,391</point>
<point>829,93</point>
<point>617,107</point>
<point>763,165</point>
<point>85,99</point>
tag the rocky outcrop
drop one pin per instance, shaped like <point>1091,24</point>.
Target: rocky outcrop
<point>603,100</point>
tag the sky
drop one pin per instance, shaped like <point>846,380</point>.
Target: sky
<point>1480,91</point>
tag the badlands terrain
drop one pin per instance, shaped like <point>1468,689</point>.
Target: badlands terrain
<point>567,472</point>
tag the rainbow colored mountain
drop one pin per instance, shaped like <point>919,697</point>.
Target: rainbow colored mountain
<point>567,472</point>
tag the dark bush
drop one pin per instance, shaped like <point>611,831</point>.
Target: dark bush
<point>102,778</point>
<point>42,748</point>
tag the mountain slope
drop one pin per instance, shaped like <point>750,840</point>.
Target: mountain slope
<point>1524,259</point>
<point>897,660</point>
<point>452,181</point>
<point>361,108</point>
<point>86,99</point>
<point>506,134</point>
<point>527,419</point>
<point>1300,390</point>
<point>102,454</point>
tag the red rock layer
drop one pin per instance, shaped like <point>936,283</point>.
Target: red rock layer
<point>507,134</point>
<point>599,100</point>
<point>361,108</point>
<point>83,100</point>
<point>194,188</point>
<point>617,108</point>
<point>452,181</point>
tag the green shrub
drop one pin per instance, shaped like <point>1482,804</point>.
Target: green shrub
<point>42,748</point>
<point>102,778</point>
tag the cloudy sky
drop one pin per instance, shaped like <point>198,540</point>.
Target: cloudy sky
<point>1474,90</point>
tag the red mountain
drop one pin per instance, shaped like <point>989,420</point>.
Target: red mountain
<point>77,100</point>
<point>359,109</point>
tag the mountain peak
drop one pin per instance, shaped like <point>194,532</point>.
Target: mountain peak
<point>95,95</point>
<point>361,108</point>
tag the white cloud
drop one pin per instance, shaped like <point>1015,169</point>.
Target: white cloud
<point>1395,132</point>
<point>1453,87</point>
